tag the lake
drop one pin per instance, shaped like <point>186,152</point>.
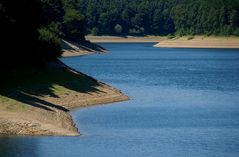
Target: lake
<point>184,102</point>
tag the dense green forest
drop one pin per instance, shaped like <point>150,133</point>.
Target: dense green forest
<point>31,30</point>
<point>159,17</point>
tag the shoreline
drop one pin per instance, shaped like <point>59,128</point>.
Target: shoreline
<point>72,49</point>
<point>200,42</point>
<point>176,42</point>
<point>43,109</point>
<point>127,39</point>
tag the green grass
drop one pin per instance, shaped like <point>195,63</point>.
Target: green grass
<point>11,105</point>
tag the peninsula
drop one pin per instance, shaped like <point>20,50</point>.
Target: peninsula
<point>40,104</point>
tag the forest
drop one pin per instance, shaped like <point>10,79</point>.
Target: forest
<point>159,17</point>
<point>31,29</point>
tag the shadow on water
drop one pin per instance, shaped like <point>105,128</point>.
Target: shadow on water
<point>10,145</point>
<point>30,85</point>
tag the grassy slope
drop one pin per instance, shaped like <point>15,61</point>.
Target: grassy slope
<point>41,84</point>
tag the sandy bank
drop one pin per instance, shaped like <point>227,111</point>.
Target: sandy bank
<point>42,108</point>
<point>127,39</point>
<point>71,48</point>
<point>200,42</point>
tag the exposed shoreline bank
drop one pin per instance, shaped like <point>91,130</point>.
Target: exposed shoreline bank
<point>127,39</point>
<point>200,42</point>
<point>176,42</point>
<point>71,49</point>
<point>42,108</point>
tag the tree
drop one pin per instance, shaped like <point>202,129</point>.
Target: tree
<point>118,29</point>
<point>104,22</point>
<point>160,17</point>
<point>49,45</point>
<point>20,21</point>
<point>95,31</point>
<point>73,25</point>
<point>52,10</point>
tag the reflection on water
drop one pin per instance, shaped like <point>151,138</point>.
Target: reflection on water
<point>184,102</point>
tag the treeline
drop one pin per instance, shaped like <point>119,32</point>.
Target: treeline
<point>31,30</point>
<point>160,17</point>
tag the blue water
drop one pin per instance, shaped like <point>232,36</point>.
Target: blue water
<point>184,102</point>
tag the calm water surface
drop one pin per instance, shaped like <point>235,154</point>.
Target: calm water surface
<point>184,102</point>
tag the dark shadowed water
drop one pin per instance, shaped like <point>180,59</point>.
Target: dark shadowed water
<point>184,102</point>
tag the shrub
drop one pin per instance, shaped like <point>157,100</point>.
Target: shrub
<point>95,31</point>
<point>171,36</point>
<point>190,37</point>
<point>136,31</point>
<point>118,29</point>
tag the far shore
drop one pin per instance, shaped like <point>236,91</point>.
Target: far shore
<point>127,39</point>
<point>200,42</point>
<point>176,42</point>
